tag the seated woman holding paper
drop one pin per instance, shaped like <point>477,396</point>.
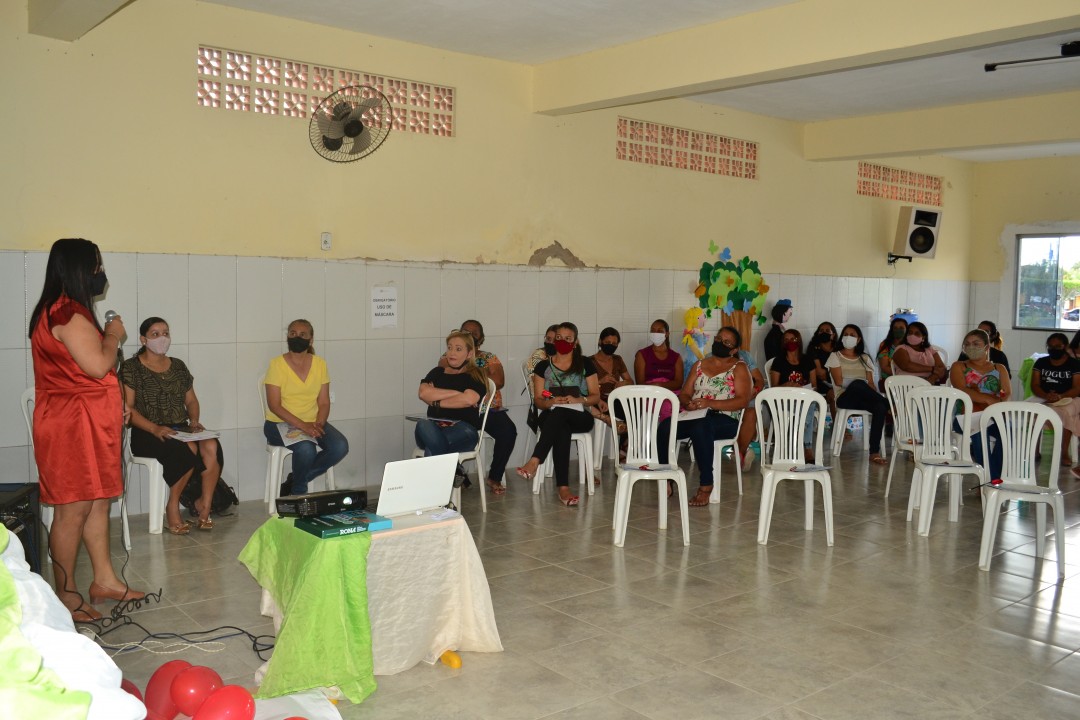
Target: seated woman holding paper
<point>161,394</point>
<point>918,357</point>
<point>986,383</point>
<point>453,394</point>
<point>1056,380</point>
<point>720,385</point>
<point>564,387</point>
<point>791,368</point>
<point>298,405</point>
<point>853,377</point>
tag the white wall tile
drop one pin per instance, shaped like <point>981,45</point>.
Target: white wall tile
<point>582,301</point>
<point>12,384</point>
<point>520,348</point>
<point>379,275</point>
<point>251,463</point>
<point>34,277</point>
<point>423,298</point>
<point>259,300</point>
<point>636,317</point>
<point>214,368</point>
<point>351,472</point>
<point>211,299</point>
<point>18,464</point>
<point>609,300</point>
<point>523,304</point>
<point>347,302</point>
<point>553,303</point>
<point>162,292</point>
<point>493,298</point>
<point>803,299</point>
<point>14,295</point>
<point>346,361</point>
<point>304,295</point>
<point>662,297</point>
<point>383,443</point>
<point>420,355</point>
<point>252,360</point>
<point>458,298</point>
<point>384,377</point>
<point>230,449</point>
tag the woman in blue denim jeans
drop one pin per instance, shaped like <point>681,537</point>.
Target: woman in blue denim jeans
<point>453,394</point>
<point>298,396</point>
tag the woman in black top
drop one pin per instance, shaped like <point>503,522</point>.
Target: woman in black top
<point>996,355</point>
<point>567,378</point>
<point>161,394</point>
<point>1056,379</point>
<point>822,345</point>
<point>794,369</point>
<point>453,394</point>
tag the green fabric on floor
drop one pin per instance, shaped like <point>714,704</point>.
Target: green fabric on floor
<point>320,586</point>
<point>27,688</point>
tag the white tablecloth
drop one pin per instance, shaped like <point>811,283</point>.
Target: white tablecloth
<point>427,593</point>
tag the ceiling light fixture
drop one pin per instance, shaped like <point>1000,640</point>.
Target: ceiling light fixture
<point>1069,51</point>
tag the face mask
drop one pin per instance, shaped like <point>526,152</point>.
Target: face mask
<point>721,350</point>
<point>914,340</point>
<point>298,344</point>
<point>608,348</point>
<point>564,347</point>
<point>1055,353</point>
<point>898,332</point>
<point>549,349</point>
<point>975,352</point>
<point>159,345</point>
<point>791,346</point>
<point>97,284</point>
<point>657,338</point>
<point>458,367</point>
<point>849,342</point>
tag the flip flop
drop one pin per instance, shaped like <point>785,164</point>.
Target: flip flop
<point>571,501</point>
<point>521,473</point>
<point>496,488</point>
<point>878,460</point>
<point>701,493</point>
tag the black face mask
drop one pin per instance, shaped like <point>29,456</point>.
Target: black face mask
<point>608,348</point>
<point>721,350</point>
<point>549,349</point>
<point>298,344</point>
<point>97,284</point>
<point>1055,353</point>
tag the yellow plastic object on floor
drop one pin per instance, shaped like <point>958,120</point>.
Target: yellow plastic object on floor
<point>450,659</point>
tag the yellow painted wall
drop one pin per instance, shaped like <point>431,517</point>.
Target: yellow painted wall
<point>1021,192</point>
<point>106,142</point>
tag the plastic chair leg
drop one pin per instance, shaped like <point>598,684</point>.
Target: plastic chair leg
<point>157,493</point>
<point>1059,533</point>
<point>1040,530</point>
<point>768,494</point>
<point>990,524</point>
<point>126,532</point>
<point>826,502</point>
<point>808,490</point>
<point>892,466</point>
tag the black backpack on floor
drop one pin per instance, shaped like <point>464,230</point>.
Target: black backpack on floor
<point>224,497</point>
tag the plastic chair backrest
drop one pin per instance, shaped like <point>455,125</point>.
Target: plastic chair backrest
<point>641,405</point>
<point>768,371</point>
<point>485,404</point>
<point>936,408</point>
<point>897,389</point>
<point>944,355</point>
<point>1020,425</point>
<point>262,394</point>
<point>788,408</point>
<point>29,397</point>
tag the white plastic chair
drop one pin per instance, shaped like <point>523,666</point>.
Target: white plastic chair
<point>275,462</point>
<point>641,406</point>
<point>157,489</point>
<point>840,427</point>
<point>26,402</point>
<point>532,436</point>
<point>935,408</point>
<point>789,408</point>
<point>585,463</point>
<point>1020,426</point>
<point>905,431</point>
<point>944,361</point>
<point>719,448</point>
<point>475,455</point>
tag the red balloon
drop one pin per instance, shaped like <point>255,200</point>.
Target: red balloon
<point>159,702</point>
<point>231,702</point>
<point>131,687</point>
<point>192,686</point>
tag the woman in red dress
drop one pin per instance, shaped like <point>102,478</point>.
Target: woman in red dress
<point>78,421</point>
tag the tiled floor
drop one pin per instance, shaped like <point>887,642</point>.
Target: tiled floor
<point>885,624</point>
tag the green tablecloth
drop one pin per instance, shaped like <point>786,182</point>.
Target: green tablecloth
<point>313,581</point>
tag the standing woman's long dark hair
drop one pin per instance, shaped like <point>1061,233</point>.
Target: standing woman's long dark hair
<point>72,264</point>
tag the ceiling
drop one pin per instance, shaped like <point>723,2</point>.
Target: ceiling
<point>529,32</point>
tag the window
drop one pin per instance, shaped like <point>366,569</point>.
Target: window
<point>1048,282</point>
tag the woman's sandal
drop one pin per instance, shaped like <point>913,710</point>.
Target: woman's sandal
<point>181,528</point>
<point>701,499</point>
<point>878,460</point>
<point>85,614</point>
<point>206,523</point>
<point>495,487</point>
<point>522,474</point>
<point>99,593</point>
<point>571,501</point>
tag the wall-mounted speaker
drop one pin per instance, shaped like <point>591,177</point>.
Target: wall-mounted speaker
<point>917,232</point>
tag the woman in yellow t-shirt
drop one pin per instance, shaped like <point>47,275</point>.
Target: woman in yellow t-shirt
<point>298,396</point>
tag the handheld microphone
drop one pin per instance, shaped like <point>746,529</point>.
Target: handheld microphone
<point>111,315</point>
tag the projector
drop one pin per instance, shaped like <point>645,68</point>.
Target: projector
<point>327,502</point>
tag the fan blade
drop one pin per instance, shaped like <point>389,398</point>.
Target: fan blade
<point>323,120</point>
<point>369,102</point>
<point>361,143</point>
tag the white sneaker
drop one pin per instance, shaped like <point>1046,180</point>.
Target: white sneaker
<point>748,459</point>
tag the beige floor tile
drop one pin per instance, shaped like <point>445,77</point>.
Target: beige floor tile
<point>607,663</point>
<point>694,695</point>
<point>503,560</point>
<point>1024,658</point>
<point>779,672</point>
<point>684,637</point>
<point>547,583</point>
<point>680,591</point>
<point>1063,675</point>
<point>615,568</point>
<point>1030,700</point>
<point>568,546</point>
<point>1036,624</point>
<point>859,698</point>
<point>602,709</point>
<point>845,645</point>
<point>961,683</point>
<point>535,628</point>
<point>610,608</point>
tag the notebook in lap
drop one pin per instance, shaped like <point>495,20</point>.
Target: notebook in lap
<point>421,484</point>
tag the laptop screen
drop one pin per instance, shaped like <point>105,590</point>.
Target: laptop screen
<point>418,484</point>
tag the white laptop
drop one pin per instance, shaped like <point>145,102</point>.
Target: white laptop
<point>420,484</point>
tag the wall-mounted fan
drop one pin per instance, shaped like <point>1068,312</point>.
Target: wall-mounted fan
<point>350,124</point>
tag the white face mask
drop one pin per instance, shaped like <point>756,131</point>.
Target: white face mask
<point>657,338</point>
<point>159,345</point>
<point>849,341</point>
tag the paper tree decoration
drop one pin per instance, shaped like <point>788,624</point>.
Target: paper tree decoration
<point>735,288</point>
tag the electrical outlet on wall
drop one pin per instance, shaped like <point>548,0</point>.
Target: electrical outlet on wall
<point>326,239</point>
